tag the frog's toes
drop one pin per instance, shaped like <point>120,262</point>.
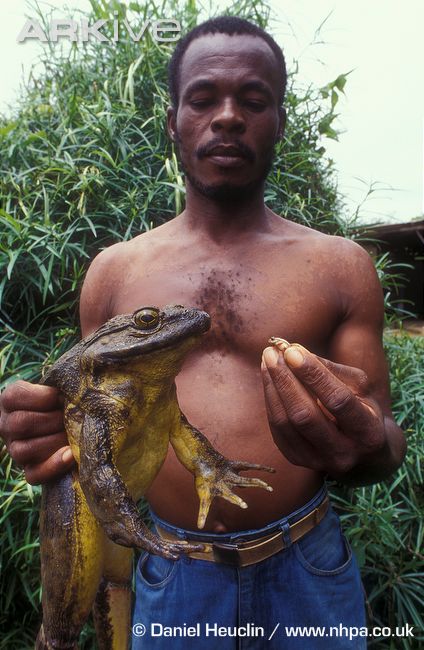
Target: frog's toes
<point>226,494</point>
<point>220,490</point>
<point>240,466</point>
<point>205,499</point>
<point>173,550</point>
<point>246,481</point>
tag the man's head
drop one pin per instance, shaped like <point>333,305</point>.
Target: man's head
<point>227,80</point>
<point>222,25</point>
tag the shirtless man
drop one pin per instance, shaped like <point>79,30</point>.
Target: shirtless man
<point>258,275</point>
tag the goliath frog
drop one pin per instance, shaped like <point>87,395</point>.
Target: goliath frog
<point>121,412</point>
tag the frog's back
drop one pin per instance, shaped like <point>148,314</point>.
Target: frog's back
<point>64,374</point>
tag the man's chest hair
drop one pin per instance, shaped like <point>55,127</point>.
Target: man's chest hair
<point>247,303</point>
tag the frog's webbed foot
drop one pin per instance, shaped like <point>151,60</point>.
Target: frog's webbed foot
<point>173,550</point>
<point>139,536</point>
<point>219,480</point>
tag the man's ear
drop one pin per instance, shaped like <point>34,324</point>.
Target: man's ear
<point>282,124</point>
<point>171,123</point>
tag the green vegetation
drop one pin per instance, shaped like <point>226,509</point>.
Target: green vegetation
<point>85,162</point>
<point>385,522</point>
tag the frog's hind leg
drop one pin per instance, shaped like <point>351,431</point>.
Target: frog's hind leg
<point>108,495</point>
<point>72,544</point>
<point>112,607</point>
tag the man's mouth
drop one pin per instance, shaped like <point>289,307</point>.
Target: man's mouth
<point>226,156</point>
<point>226,150</point>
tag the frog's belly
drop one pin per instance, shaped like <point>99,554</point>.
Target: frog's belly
<point>140,462</point>
<point>140,446</point>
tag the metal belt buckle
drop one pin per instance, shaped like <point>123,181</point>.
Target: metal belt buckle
<point>226,553</point>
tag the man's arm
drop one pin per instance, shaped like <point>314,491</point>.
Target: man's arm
<point>102,278</point>
<point>353,438</point>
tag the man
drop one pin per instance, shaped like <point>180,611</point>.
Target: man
<point>258,276</point>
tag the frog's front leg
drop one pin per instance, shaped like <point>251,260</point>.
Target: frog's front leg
<point>214,474</point>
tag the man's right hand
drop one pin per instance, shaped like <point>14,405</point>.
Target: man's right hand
<point>31,424</point>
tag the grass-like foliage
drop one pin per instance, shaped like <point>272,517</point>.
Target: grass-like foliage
<point>85,162</point>
<point>385,522</point>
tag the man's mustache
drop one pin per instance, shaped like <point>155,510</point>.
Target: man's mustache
<point>244,150</point>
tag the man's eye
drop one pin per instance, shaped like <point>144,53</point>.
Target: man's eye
<point>255,105</point>
<point>200,103</point>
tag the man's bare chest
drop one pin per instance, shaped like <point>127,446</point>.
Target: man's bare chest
<point>248,301</point>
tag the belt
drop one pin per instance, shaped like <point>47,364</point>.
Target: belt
<point>254,551</point>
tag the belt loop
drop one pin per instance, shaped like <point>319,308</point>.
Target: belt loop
<point>180,533</point>
<point>285,529</point>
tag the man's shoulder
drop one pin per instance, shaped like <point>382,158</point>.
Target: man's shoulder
<point>337,261</point>
<point>323,243</point>
<point>122,252</point>
<point>346,260</point>
<point>335,245</point>
<point>348,268</point>
<point>348,254</point>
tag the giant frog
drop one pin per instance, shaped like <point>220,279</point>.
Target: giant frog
<point>120,414</point>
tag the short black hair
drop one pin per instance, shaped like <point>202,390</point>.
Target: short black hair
<point>221,25</point>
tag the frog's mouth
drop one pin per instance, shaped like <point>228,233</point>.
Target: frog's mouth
<point>168,338</point>
<point>167,335</point>
<point>173,344</point>
<point>196,322</point>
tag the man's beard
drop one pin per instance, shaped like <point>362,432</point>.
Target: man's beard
<point>225,191</point>
<point>229,192</point>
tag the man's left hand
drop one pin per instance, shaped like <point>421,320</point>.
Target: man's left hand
<point>321,414</point>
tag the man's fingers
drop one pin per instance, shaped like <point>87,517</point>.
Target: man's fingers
<point>274,406</point>
<point>338,398</point>
<point>289,442</point>
<point>53,468</point>
<point>30,424</point>
<point>36,450</point>
<point>304,434</point>
<point>301,410</point>
<point>357,379</point>
<point>25,396</point>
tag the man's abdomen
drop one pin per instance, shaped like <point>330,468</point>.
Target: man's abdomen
<point>223,398</point>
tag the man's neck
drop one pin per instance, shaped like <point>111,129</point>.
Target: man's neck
<point>220,221</point>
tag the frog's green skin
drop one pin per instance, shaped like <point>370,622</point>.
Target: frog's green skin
<point>121,412</point>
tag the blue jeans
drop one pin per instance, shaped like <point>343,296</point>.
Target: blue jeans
<point>194,604</point>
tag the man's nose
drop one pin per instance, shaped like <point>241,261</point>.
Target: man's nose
<point>228,117</point>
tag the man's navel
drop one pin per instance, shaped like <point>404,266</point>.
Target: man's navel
<point>218,527</point>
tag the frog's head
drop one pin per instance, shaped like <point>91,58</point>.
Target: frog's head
<point>167,333</point>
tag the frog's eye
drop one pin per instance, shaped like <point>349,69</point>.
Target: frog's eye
<point>146,319</point>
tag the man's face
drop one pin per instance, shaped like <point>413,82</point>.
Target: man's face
<point>228,117</point>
